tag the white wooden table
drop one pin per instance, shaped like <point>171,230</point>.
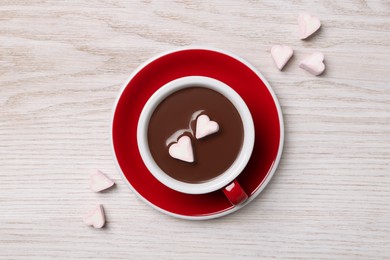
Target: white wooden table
<point>62,64</point>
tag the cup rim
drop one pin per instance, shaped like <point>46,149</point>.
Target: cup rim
<point>240,162</point>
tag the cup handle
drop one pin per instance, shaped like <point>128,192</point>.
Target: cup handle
<point>235,193</point>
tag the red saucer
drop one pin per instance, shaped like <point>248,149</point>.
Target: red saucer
<point>231,70</point>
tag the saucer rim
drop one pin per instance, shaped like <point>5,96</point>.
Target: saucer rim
<point>261,185</point>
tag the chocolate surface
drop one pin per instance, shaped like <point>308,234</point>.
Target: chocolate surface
<point>176,116</point>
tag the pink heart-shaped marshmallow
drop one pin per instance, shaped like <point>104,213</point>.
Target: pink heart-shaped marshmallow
<point>281,55</point>
<point>308,24</point>
<point>99,181</point>
<point>314,63</point>
<point>95,217</point>
<point>205,127</point>
<point>182,150</point>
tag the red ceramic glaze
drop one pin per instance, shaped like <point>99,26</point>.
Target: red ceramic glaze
<point>195,62</point>
<point>235,193</point>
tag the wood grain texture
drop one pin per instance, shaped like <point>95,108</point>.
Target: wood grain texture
<point>62,64</point>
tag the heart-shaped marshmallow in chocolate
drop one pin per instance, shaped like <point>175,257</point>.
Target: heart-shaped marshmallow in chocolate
<point>314,63</point>
<point>95,217</point>
<point>205,127</point>
<point>182,150</point>
<point>308,24</point>
<point>99,181</point>
<point>281,55</point>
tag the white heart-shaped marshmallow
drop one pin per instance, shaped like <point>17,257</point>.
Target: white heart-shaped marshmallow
<point>95,217</point>
<point>281,55</point>
<point>205,127</point>
<point>308,24</point>
<point>99,181</point>
<point>314,63</point>
<point>182,150</point>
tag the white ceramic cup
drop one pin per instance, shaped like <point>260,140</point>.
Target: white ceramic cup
<point>226,180</point>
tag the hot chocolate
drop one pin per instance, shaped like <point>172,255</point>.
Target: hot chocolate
<point>176,116</point>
